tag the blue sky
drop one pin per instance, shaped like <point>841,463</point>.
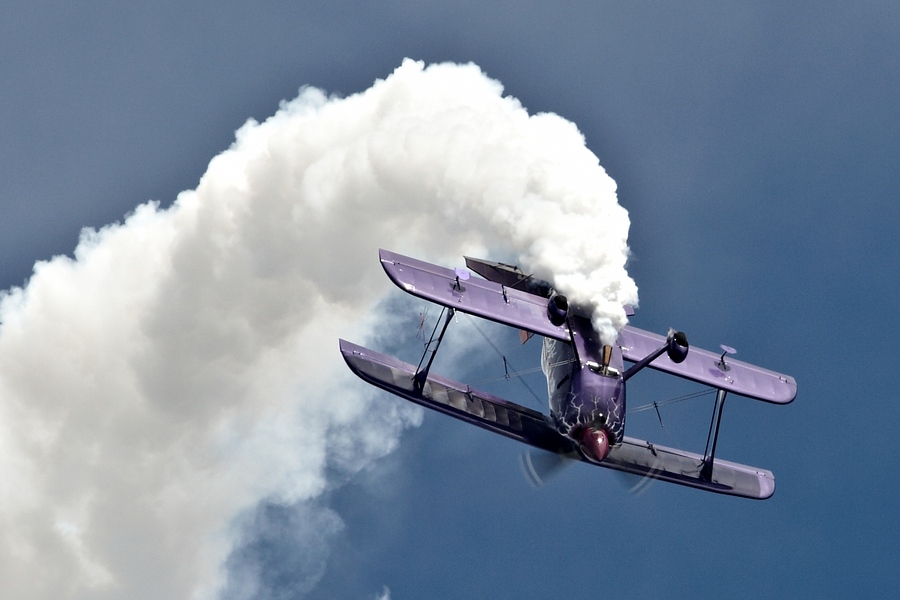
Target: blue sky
<point>756,149</point>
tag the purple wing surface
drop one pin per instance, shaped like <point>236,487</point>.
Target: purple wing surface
<point>479,297</point>
<point>536,429</point>
<point>677,466</point>
<point>710,368</point>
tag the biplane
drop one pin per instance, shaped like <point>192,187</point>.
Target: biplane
<point>586,380</point>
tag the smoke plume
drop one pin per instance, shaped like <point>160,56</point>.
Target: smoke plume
<point>182,368</point>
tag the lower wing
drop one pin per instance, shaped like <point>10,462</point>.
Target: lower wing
<point>536,429</point>
<point>677,466</point>
<point>456,399</point>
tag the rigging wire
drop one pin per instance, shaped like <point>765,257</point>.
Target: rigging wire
<point>522,372</point>
<point>508,368</point>
<point>656,405</point>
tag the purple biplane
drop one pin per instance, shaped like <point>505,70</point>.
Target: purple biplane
<point>585,379</point>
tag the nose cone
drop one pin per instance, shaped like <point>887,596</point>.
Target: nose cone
<point>595,443</point>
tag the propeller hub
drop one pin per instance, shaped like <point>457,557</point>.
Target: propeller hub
<point>595,443</point>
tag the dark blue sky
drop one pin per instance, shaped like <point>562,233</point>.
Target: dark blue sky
<point>756,147</point>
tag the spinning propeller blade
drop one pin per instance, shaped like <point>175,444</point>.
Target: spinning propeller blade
<point>540,467</point>
<point>636,484</point>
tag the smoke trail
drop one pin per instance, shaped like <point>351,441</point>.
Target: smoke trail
<point>183,367</point>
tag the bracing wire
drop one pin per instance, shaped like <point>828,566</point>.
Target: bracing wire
<point>508,368</point>
<point>522,372</point>
<point>656,405</point>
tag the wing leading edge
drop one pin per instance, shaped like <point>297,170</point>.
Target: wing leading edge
<point>536,429</point>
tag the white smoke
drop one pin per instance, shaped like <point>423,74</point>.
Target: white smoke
<point>183,367</point>
<point>385,594</point>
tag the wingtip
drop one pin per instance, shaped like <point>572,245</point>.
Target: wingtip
<point>348,348</point>
<point>766,487</point>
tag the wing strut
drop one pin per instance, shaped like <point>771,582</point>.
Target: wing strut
<point>708,459</point>
<point>422,374</point>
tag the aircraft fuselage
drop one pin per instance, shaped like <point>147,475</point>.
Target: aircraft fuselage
<point>586,392</point>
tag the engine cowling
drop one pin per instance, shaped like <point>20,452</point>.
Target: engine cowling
<point>677,346</point>
<point>558,309</point>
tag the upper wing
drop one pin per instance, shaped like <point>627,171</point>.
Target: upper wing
<point>475,296</point>
<point>702,366</point>
<point>536,429</point>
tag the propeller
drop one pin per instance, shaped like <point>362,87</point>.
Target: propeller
<point>540,467</point>
<point>636,484</point>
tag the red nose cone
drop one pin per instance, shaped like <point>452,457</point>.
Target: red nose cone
<point>595,443</point>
